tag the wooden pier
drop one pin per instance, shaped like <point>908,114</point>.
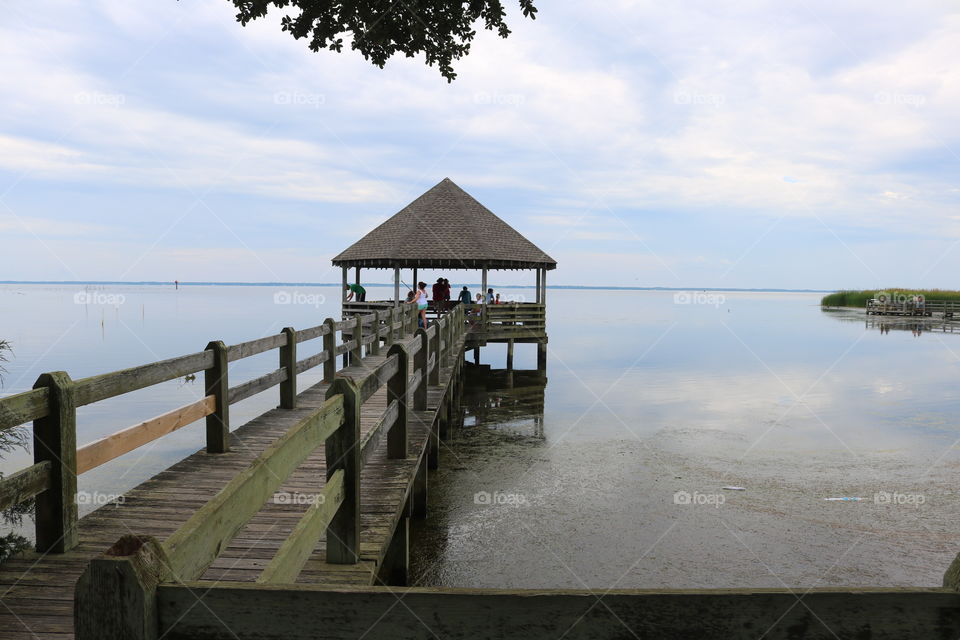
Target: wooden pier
<point>264,504</point>
<point>945,309</point>
<point>295,525</point>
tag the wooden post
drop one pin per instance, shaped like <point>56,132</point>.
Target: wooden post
<point>396,562</point>
<point>476,355</point>
<point>216,383</point>
<point>418,493</point>
<point>397,388</point>
<point>483,307</point>
<point>288,361</point>
<point>420,364</point>
<point>510,354</point>
<point>343,452</point>
<point>396,286</point>
<point>433,447</point>
<point>343,286</point>
<point>55,440</point>
<point>356,354</point>
<point>444,429</point>
<point>543,295</point>
<point>541,356</point>
<point>115,597</point>
<point>330,346</point>
<point>538,286</point>
<point>434,378</point>
<point>391,335</point>
<point>374,348</point>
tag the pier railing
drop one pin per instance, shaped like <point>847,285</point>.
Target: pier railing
<point>52,406</point>
<point>126,578</point>
<point>945,308</point>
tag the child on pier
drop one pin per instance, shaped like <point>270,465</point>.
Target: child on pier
<point>421,299</point>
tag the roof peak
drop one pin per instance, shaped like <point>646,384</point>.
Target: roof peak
<point>445,228</point>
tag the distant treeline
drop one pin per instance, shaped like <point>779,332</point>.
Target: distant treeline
<point>859,298</point>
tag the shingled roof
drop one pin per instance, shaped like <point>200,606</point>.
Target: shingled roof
<point>445,228</point>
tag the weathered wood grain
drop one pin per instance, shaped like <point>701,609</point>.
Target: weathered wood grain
<point>198,542</point>
<point>257,385</point>
<point>296,549</point>
<point>24,484</point>
<point>253,347</point>
<point>96,453</point>
<point>23,407</point>
<point>108,385</point>
<point>495,614</point>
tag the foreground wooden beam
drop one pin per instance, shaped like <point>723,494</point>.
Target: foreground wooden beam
<point>115,598</point>
<point>236,612</point>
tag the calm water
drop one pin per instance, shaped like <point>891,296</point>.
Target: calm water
<point>609,470</point>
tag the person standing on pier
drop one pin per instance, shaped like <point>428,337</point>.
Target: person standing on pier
<point>490,297</point>
<point>356,289</point>
<point>465,297</point>
<point>438,290</point>
<point>446,294</point>
<point>422,299</point>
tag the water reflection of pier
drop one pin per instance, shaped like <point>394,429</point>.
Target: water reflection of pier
<point>917,327</point>
<point>506,399</point>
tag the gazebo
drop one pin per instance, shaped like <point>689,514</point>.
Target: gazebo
<point>447,228</point>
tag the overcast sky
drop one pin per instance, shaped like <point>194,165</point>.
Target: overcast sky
<point>686,144</point>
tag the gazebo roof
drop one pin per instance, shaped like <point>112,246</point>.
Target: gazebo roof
<point>445,228</point>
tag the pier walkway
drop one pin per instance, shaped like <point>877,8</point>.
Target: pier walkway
<point>194,511</point>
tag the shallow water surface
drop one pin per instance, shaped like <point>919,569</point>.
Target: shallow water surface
<point>651,407</point>
<point>608,469</point>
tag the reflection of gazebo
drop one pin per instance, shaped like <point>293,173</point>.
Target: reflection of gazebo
<point>446,228</point>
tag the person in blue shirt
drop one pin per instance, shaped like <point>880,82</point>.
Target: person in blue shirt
<point>465,297</point>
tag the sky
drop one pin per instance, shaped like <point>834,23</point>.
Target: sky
<point>688,144</point>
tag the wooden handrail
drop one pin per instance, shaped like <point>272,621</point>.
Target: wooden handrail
<point>312,361</point>
<point>253,347</point>
<point>384,424</point>
<point>255,386</point>
<point>108,385</point>
<point>96,453</point>
<point>24,484</point>
<point>313,332</point>
<point>198,542</point>
<point>296,549</point>
<point>23,407</point>
<point>388,322</point>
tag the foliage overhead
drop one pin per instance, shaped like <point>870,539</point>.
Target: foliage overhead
<point>440,29</point>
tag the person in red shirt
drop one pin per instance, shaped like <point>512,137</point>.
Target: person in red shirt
<point>438,293</point>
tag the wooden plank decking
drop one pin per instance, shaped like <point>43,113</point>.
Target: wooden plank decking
<point>37,590</point>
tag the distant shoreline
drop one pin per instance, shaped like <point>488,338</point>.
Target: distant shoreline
<point>390,285</point>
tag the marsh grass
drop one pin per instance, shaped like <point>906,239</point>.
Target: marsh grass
<point>859,298</point>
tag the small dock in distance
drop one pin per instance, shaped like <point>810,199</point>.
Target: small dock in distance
<point>945,309</point>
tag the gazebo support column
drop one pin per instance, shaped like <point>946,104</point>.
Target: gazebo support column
<point>538,286</point>
<point>396,286</point>
<point>483,311</point>
<point>543,287</point>
<point>343,287</point>
<point>541,356</point>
